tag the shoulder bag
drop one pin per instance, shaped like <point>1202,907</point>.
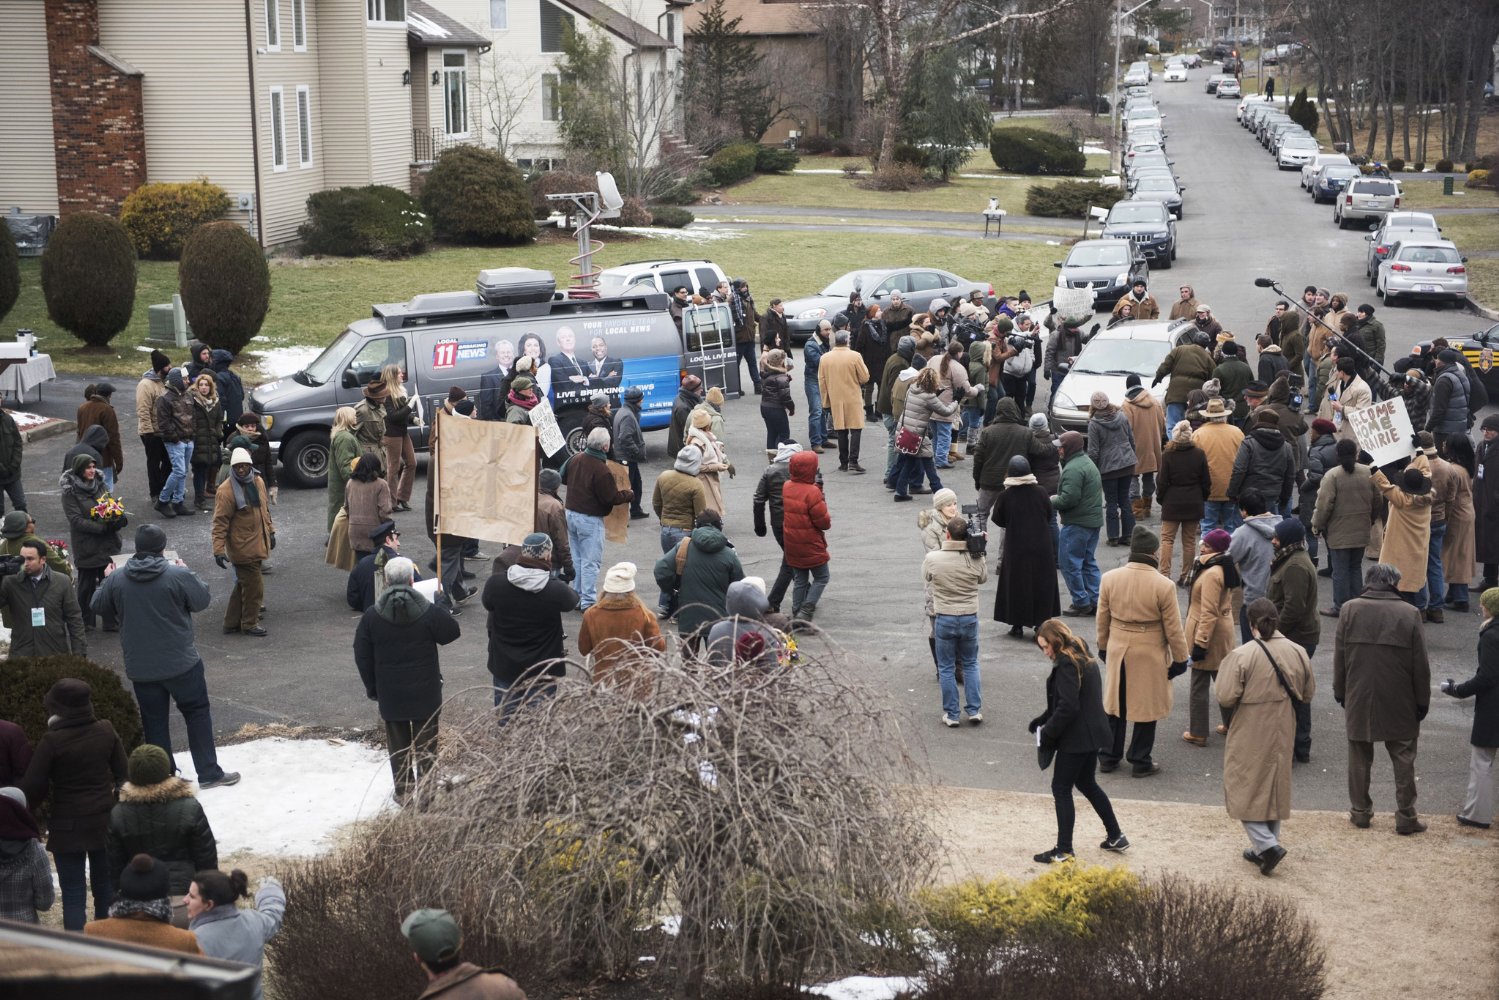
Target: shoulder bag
<point>1278,675</point>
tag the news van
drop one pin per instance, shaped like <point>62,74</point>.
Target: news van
<point>582,346</point>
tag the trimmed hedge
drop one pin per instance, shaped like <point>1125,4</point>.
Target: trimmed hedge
<point>476,196</point>
<point>1396,165</point>
<point>1069,199</point>
<point>733,162</point>
<point>10,270</point>
<point>23,682</point>
<point>1034,151</point>
<point>633,213</point>
<point>1303,111</point>
<point>226,285</point>
<point>1476,179</point>
<point>775,160</point>
<point>1444,166</point>
<point>160,217</point>
<point>373,221</point>
<point>671,217</point>
<point>88,277</point>
<point>557,182</point>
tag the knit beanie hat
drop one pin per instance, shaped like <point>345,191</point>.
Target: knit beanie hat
<point>1290,531</point>
<point>1019,466</point>
<point>1489,599</point>
<point>159,361</point>
<point>80,463</point>
<point>1143,541</point>
<point>1182,432</point>
<point>598,401</point>
<point>1004,325</point>
<point>150,538</point>
<point>620,579</point>
<point>455,393</point>
<point>715,395</point>
<point>1415,481</point>
<point>1217,540</point>
<point>14,524</point>
<point>689,460</point>
<point>1038,422</point>
<point>943,497</point>
<point>1490,423</point>
<point>520,384</point>
<point>906,347</point>
<point>1099,401</point>
<point>537,545</point>
<point>149,765</point>
<point>145,879</point>
<point>550,480</point>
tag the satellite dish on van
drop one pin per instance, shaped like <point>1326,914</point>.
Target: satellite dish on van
<point>609,194</point>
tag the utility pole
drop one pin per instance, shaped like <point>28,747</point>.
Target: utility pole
<point>1116,147</point>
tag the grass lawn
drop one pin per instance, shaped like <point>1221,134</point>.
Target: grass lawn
<point>1483,281</point>
<point>1060,228</point>
<point>312,300</point>
<point>1471,232</point>
<point>1428,194</point>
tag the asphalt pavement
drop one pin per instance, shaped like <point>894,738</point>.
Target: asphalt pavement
<point>1244,219</point>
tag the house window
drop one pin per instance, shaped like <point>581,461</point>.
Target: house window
<point>553,21</point>
<point>671,28</point>
<point>499,14</point>
<point>455,92</point>
<point>278,131</point>
<point>273,25</point>
<point>551,85</point>
<point>299,25</point>
<point>385,11</point>
<point>304,125</point>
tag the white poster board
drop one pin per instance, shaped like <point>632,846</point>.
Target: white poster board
<point>548,434</point>
<point>1383,430</point>
<point>1073,303</point>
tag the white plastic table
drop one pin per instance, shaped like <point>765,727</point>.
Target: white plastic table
<point>18,379</point>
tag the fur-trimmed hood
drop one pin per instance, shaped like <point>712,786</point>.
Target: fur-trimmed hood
<point>173,788</point>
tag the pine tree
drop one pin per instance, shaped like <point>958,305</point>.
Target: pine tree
<point>1303,112</point>
<point>724,78</point>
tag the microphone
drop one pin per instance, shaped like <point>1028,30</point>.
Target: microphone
<point>1264,282</point>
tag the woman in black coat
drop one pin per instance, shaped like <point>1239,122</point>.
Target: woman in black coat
<point>1182,486</point>
<point>1027,592</point>
<point>1075,726</point>
<point>93,541</point>
<point>1486,502</point>
<point>525,604</point>
<point>1483,687</point>
<point>77,765</point>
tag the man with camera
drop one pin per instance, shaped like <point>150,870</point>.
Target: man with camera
<point>955,572</point>
<point>39,607</point>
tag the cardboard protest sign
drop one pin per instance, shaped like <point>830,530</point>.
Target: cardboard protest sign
<point>1383,430</point>
<point>617,521</point>
<point>547,432</point>
<point>486,479</point>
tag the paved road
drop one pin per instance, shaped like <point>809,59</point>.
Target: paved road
<point>1244,219</point>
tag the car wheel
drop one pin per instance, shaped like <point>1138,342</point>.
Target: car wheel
<point>570,423</point>
<point>1173,253</point>
<point>1373,278</point>
<point>305,459</point>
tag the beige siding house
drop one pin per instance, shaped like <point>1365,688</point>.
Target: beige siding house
<point>272,100</point>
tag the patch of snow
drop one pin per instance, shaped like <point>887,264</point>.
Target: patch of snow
<point>426,26</point>
<point>692,234</point>
<point>671,926</point>
<point>821,171</point>
<point>278,361</point>
<point>24,419</point>
<point>866,988</point>
<point>1095,151</point>
<point>293,795</point>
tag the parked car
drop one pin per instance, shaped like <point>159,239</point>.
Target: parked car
<point>1331,180</point>
<point>1144,116</point>
<point>1310,168</point>
<point>1212,82</point>
<point>1111,356</point>
<point>918,285</point>
<point>1295,152</point>
<point>1192,59</point>
<point>1137,76</point>
<point>1229,88</point>
<point>1273,131</point>
<point>1165,190</point>
<point>1397,227</point>
<point>1366,199</point>
<point>1148,225</point>
<point>1431,269</point>
<point>1142,162</point>
<point>1109,267</point>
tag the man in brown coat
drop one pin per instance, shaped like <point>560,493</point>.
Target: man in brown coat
<point>841,375</point>
<point>1140,639</point>
<point>99,409</point>
<point>1382,679</point>
<point>1147,421</point>
<point>435,944</point>
<point>1219,441</point>
<point>591,494</point>
<point>243,535</point>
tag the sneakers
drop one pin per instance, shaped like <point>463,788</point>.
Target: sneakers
<point>256,630</point>
<point>1053,856</point>
<point>1270,858</point>
<point>222,781</point>
<point>1118,844</point>
<point>478,555</point>
<point>856,468</point>
<point>949,721</point>
<point>975,718</point>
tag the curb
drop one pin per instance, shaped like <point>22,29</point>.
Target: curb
<point>53,427</point>
<point>1482,310</point>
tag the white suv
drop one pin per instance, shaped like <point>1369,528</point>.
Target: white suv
<point>664,275</point>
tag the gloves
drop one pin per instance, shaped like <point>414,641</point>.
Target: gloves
<point>568,574</point>
<point>1035,724</point>
<point>223,563</point>
<point>1447,687</point>
<point>1176,670</point>
<point>1366,458</point>
<point>733,472</point>
<point>118,524</point>
<point>273,539</point>
<point>1421,711</point>
<point>1199,653</point>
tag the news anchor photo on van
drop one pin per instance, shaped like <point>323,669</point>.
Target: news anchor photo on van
<point>581,346</point>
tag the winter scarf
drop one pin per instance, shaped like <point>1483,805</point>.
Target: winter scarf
<point>142,909</point>
<point>1026,480</point>
<point>523,402</point>
<point>1231,577</point>
<point>246,492</point>
<point>1147,558</point>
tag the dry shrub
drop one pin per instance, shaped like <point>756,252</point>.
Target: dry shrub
<point>766,809</point>
<point>1177,940</point>
<point>896,177</point>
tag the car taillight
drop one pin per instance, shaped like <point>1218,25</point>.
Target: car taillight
<point>991,291</point>
<point>1381,251</point>
<point>1348,200</point>
<point>1397,201</point>
<point>1457,270</point>
<point>1400,267</point>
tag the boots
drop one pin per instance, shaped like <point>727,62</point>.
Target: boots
<point>1140,508</point>
<point>801,619</point>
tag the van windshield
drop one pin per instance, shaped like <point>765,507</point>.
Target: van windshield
<point>326,364</point>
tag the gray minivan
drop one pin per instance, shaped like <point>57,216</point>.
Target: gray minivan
<point>583,346</point>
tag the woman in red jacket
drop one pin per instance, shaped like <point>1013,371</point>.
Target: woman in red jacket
<point>805,521</point>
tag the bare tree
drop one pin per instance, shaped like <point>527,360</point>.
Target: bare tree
<point>507,89</point>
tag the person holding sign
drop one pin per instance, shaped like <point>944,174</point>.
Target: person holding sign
<point>1345,391</point>
<point>1407,536</point>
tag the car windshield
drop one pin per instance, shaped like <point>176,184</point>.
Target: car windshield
<point>1121,357</point>
<point>1300,142</point>
<point>1410,220</point>
<point>1155,184</point>
<point>326,364</point>
<point>850,282</point>
<point>1126,211</point>
<point>1101,255</point>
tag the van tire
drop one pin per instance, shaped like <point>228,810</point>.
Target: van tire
<point>570,423</point>
<point>305,459</point>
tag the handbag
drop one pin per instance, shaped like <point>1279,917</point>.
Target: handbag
<point>907,441</point>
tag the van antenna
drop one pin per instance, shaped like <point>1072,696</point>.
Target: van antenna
<point>588,207</point>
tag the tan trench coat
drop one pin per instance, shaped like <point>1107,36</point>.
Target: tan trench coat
<point>714,462</point>
<point>1354,396</point>
<point>840,373</point>
<point>1210,618</point>
<point>1139,625</point>
<point>1458,551</point>
<point>1407,533</point>
<point>1147,419</point>
<point>1261,737</point>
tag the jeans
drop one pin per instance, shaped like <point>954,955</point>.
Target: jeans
<point>108,472</point>
<point>817,428</point>
<point>190,691</point>
<point>1077,770</point>
<point>16,490</point>
<point>958,646</point>
<point>1120,516</point>
<point>1457,593</point>
<point>890,453</point>
<point>509,698</point>
<point>973,421</point>
<point>808,587</point>
<point>908,472</point>
<point>1436,580</point>
<point>585,536</point>
<point>1142,486</point>
<point>180,454</point>
<point>746,351</point>
<point>1347,574</point>
<point>777,426</point>
<point>1175,414</point>
<point>1220,514</point>
<point>1075,555</point>
<point>70,876</point>
<point>941,443</point>
<point>1415,598</point>
<point>670,538</point>
<point>452,570</point>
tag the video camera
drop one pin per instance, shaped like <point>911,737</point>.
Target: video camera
<point>978,532</point>
<point>10,565</point>
<point>1020,341</point>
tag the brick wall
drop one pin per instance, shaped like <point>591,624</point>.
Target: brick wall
<point>98,121</point>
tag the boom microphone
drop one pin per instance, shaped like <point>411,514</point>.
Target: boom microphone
<point>1264,282</point>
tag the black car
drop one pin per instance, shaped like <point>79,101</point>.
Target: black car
<point>1107,267</point>
<point>1147,224</point>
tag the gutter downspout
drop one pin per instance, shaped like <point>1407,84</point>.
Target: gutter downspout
<point>257,217</point>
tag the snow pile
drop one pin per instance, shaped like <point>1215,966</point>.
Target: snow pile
<point>293,795</point>
<point>866,988</point>
<point>26,420</point>
<point>276,362</point>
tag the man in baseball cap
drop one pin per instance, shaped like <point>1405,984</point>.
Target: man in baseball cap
<point>435,944</point>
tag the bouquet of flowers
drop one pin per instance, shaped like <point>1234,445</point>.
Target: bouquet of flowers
<point>107,509</point>
<point>58,545</point>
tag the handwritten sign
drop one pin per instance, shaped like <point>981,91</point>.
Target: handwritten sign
<point>548,434</point>
<point>1383,430</point>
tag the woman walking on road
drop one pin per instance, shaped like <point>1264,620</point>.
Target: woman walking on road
<point>1075,727</point>
<point>1210,626</point>
<point>776,405</point>
<point>400,453</point>
<point>1027,592</point>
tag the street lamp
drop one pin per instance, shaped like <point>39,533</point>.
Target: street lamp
<point>1118,46</point>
